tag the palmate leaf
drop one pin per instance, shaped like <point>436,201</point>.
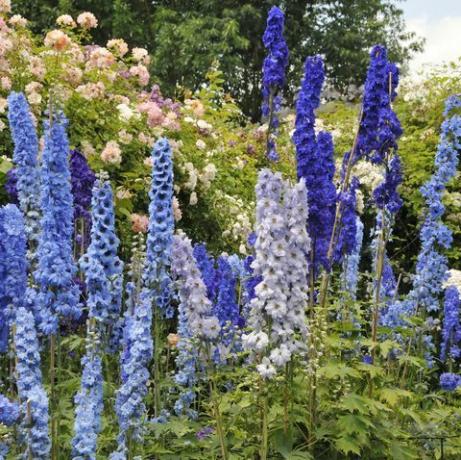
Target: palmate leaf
<point>392,396</point>
<point>352,423</point>
<point>337,369</point>
<point>347,445</point>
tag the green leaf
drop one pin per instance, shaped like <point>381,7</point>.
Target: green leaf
<point>347,445</point>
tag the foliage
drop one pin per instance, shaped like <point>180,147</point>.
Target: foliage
<point>198,33</point>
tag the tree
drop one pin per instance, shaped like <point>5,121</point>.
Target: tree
<point>185,38</point>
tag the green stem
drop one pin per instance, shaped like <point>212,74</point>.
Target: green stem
<point>264,421</point>
<point>54,441</point>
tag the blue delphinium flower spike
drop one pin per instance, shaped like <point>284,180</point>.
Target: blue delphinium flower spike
<point>58,294</point>
<point>27,171</point>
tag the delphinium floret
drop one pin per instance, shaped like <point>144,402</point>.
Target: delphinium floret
<point>13,268</point>
<point>450,381</point>
<point>315,163</point>
<point>206,264</point>
<point>351,263</point>
<point>88,402</point>
<point>451,328</point>
<point>82,179</point>
<point>27,172</point>
<point>196,321</point>
<point>58,293</point>
<point>135,357</point>
<point>34,401</point>
<point>101,265</point>
<point>276,318</point>
<point>431,265</point>
<point>273,71</point>
<point>156,277</point>
<point>9,411</point>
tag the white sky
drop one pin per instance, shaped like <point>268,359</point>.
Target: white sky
<point>439,21</point>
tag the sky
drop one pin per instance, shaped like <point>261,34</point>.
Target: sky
<point>439,21</point>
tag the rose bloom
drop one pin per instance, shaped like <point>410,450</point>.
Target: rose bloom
<point>112,153</point>
<point>3,104</point>
<point>200,144</point>
<point>139,223</point>
<point>91,91</point>
<point>196,106</point>
<point>6,83</point>
<point>124,137</point>
<point>74,75</point>
<point>5,46</point>
<point>57,39</point>
<point>18,21</point>
<point>34,98</point>
<point>172,340</point>
<point>87,20</point>
<point>66,20</point>
<point>154,113</point>
<point>177,213</point>
<point>33,87</point>
<point>118,45</point>
<point>140,55</point>
<point>37,67</point>
<point>193,199</point>
<point>100,58</point>
<point>142,73</point>
<point>5,6</point>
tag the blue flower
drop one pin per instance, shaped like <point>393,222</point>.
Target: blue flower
<point>34,402</point>
<point>136,355</point>
<point>156,276</point>
<point>13,268</point>
<point>315,163</point>
<point>88,407</point>
<point>26,171</point>
<point>9,411</point>
<point>451,329</point>
<point>101,265</point>
<point>351,263</point>
<point>58,294</point>
<point>449,381</point>
<point>273,71</point>
<point>347,239</point>
<point>206,264</point>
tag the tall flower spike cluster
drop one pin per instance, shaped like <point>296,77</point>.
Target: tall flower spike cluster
<point>27,170</point>
<point>192,290</point>
<point>13,268</point>
<point>451,329</point>
<point>58,294</point>
<point>351,262</point>
<point>88,403</point>
<point>136,355</point>
<point>376,92</point>
<point>156,276</point>
<point>347,237</point>
<point>196,320</point>
<point>206,264</point>
<point>315,163</point>
<point>82,178</point>
<point>431,265</point>
<point>101,265</point>
<point>186,364</point>
<point>34,401</point>
<point>273,71</point>
<point>277,312</point>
